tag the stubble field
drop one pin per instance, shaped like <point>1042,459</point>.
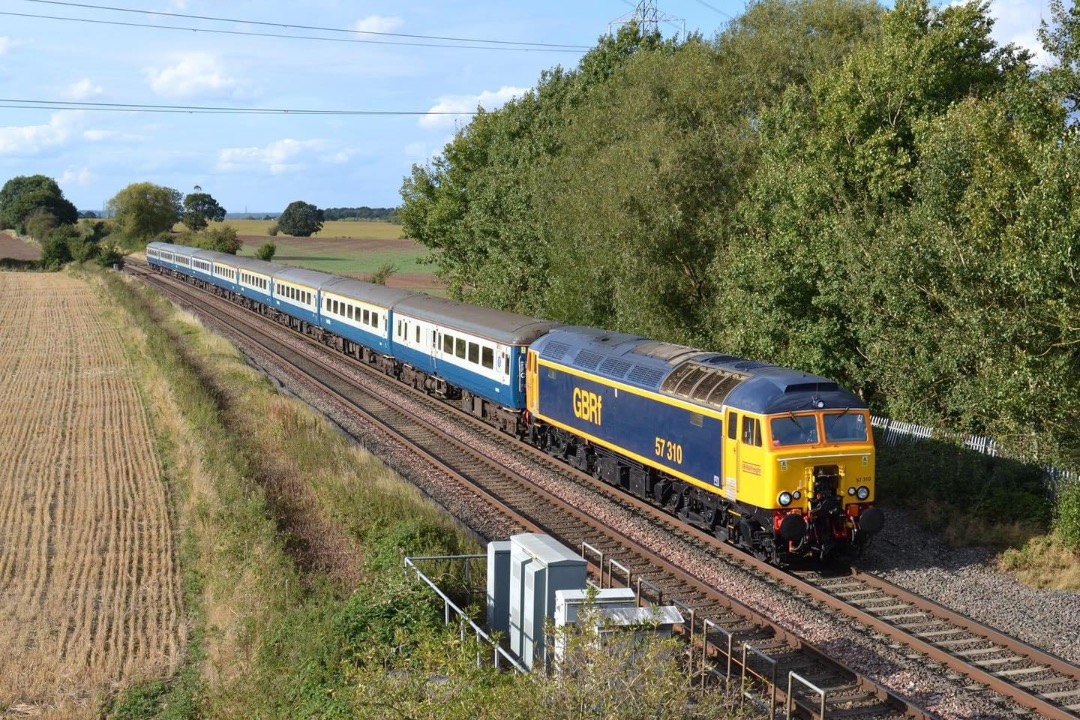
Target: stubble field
<point>90,589</point>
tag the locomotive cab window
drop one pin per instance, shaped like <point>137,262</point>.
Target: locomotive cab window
<point>794,430</point>
<point>845,427</point>
<point>751,431</point>
<point>732,425</point>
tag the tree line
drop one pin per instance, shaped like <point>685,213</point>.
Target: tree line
<point>35,206</point>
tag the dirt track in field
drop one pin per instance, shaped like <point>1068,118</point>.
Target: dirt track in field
<point>90,596</point>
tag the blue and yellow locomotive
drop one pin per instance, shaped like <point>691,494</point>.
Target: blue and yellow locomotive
<point>775,460</point>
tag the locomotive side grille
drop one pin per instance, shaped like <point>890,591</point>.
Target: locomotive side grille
<point>614,368</point>
<point>588,360</point>
<point>646,375</point>
<point>554,350</point>
<point>707,385</point>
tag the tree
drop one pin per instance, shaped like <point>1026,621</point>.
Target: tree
<point>142,210</point>
<point>21,196</point>
<point>221,239</point>
<point>301,219</point>
<point>200,209</point>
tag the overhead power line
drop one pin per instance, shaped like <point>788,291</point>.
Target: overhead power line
<point>481,43</point>
<point>25,104</point>
<point>213,31</point>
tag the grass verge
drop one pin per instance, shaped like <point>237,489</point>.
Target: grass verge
<point>281,522</point>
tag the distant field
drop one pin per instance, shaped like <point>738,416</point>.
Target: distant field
<point>353,248</point>
<point>351,229</point>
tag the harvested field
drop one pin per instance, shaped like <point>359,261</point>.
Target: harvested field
<point>88,571</point>
<point>13,248</point>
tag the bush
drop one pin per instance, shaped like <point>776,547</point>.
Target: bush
<point>55,252</point>
<point>221,238</point>
<point>1067,515</point>
<point>380,276</point>
<point>266,251</point>
<point>272,231</point>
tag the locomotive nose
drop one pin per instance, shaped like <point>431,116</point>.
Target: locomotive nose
<point>871,520</point>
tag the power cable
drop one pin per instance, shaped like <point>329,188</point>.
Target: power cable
<point>213,31</point>
<point>24,104</point>
<point>511,43</point>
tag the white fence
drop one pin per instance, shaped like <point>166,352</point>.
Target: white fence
<point>892,433</point>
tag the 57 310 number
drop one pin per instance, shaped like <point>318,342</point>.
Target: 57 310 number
<point>667,450</point>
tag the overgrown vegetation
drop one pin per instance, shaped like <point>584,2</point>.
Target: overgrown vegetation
<point>884,197</point>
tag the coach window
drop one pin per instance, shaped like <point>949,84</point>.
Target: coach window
<point>751,431</point>
<point>474,353</point>
<point>448,344</point>
<point>488,358</point>
<point>375,320</point>
<point>459,348</point>
<point>417,334</point>
<point>367,317</point>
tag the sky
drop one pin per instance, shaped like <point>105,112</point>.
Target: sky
<point>62,63</point>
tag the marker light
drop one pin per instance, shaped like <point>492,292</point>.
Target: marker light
<point>851,491</point>
<point>797,495</point>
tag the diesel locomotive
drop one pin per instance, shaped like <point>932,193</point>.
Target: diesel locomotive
<point>774,460</point>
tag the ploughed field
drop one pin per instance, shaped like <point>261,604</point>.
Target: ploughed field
<point>91,597</point>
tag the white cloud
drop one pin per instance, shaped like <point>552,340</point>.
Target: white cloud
<point>467,104</point>
<point>111,136</point>
<point>1016,21</point>
<point>84,89</point>
<point>6,44</point>
<point>279,157</point>
<point>32,139</point>
<point>72,176</point>
<point>192,75</point>
<point>378,24</point>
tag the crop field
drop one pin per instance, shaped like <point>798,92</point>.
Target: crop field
<point>88,574</point>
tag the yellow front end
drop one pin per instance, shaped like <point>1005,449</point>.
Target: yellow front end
<point>802,455</point>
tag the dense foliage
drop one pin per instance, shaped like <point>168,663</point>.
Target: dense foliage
<point>23,197</point>
<point>888,198</point>
<point>300,219</point>
<point>142,210</point>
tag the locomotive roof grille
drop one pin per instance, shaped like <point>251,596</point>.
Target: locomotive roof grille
<point>554,350</point>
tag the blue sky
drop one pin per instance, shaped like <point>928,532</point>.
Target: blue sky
<point>262,162</point>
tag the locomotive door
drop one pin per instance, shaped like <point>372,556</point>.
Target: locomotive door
<point>731,456</point>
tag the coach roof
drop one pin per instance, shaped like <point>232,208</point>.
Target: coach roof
<point>307,278</point>
<point>378,295</point>
<point>503,327</point>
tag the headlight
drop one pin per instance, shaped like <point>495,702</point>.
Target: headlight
<point>863,493</point>
<point>785,499</point>
<point>851,491</point>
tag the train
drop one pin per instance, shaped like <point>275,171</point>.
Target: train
<point>774,460</point>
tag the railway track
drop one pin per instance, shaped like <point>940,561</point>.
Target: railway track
<point>1033,679</point>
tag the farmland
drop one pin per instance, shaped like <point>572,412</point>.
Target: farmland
<point>356,249</point>
<point>91,589</point>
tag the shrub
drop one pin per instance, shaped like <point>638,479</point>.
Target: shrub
<point>266,251</point>
<point>1067,515</point>
<point>380,276</point>
<point>272,231</point>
